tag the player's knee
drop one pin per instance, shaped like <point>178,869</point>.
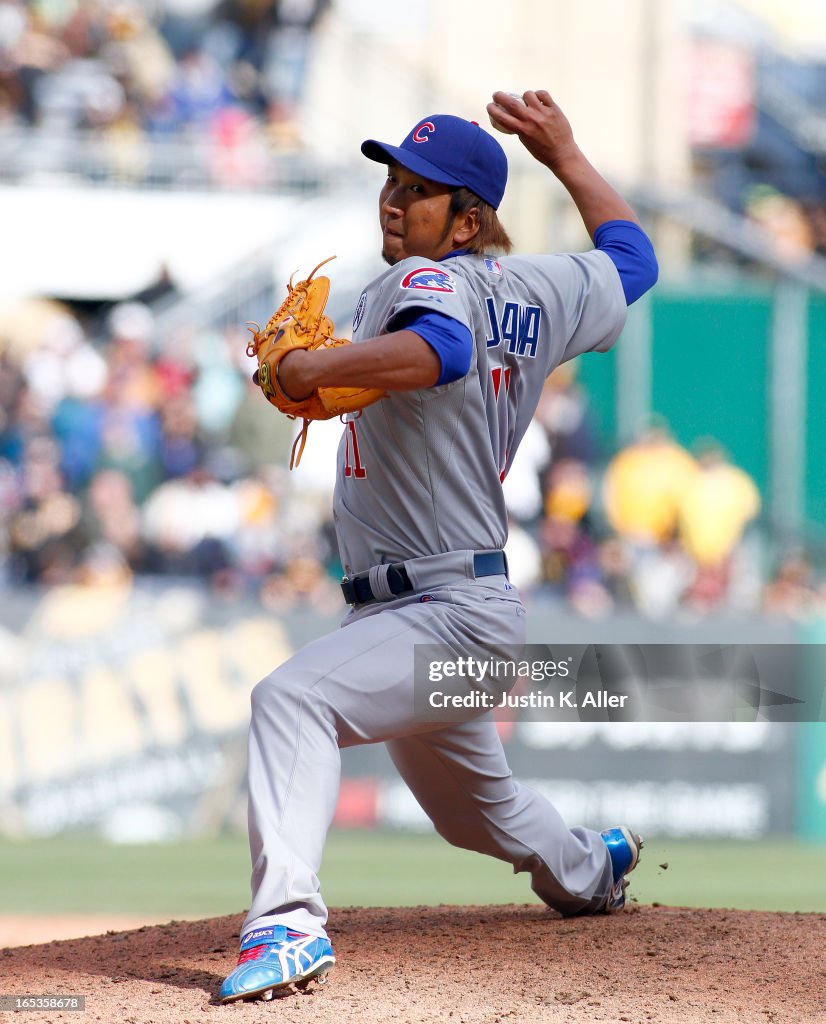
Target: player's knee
<point>274,691</point>
<point>455,831</point>
<point>283,691</point>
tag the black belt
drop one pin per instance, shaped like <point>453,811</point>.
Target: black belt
<point>357,589</point>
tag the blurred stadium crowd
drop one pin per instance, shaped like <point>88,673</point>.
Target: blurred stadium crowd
<point>118,457</point>
<point>122,456</point>
<point>230,74</point>
<point>156,69</point>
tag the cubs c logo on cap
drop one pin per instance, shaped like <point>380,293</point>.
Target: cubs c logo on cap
<point>422,132</point>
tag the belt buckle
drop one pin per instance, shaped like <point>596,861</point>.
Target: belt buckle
<point>348,590</point>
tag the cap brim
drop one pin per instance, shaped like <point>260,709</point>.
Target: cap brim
<point>383,154</point>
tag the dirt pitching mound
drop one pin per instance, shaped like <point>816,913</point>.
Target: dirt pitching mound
<point>462,965</point>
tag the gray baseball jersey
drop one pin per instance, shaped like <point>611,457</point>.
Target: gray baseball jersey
<point>420,478</point>
<point>420,471</point>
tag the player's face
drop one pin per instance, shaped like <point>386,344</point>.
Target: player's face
<point>415,217</point>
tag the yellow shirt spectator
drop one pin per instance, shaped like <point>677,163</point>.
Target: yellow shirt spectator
<point>643,485</point>
<point>714,510</point>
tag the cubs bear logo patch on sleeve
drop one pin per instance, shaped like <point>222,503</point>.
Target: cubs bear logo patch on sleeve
<point>432,279</point>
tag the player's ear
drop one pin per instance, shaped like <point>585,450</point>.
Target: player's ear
<point>466,227</point>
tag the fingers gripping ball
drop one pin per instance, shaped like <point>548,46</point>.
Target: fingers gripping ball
<point>299,322</point>
<point>498,124</point>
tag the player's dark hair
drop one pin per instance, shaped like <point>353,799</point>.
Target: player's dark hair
<point>491,236</point>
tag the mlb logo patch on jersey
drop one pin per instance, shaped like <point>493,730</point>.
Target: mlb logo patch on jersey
<point>492,265</point>
<point>432,279</point>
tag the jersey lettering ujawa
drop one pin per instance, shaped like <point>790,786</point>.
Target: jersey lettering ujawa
<point>420,471</point>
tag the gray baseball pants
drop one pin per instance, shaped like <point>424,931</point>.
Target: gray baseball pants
<point>356,686</point>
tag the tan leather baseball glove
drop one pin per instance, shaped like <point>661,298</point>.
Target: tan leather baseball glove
<point>299,322</point>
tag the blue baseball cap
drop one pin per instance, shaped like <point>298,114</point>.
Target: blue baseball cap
<point>451,151</point>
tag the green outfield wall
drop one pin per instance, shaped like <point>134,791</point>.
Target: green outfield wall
<point>713,358</point>
<point>811,744</point>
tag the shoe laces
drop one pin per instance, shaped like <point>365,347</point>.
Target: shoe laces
<point>253,953</point>
<point>256,952</point>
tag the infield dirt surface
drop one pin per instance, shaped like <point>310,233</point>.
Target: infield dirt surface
<point>462,965</point>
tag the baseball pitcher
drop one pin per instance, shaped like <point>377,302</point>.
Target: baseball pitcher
<point>451,347</point>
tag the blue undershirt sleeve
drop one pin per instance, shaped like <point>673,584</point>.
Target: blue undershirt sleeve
<point>450,340</point>
<point>632,253</point>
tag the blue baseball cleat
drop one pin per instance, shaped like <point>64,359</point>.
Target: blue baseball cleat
<point>273,958</point>
<point>624,849</point>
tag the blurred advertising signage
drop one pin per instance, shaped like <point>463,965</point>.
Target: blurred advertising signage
<point>720,95</point>
<point>124,706</point>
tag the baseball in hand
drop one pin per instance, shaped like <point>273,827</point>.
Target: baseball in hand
<point>497,124</point>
